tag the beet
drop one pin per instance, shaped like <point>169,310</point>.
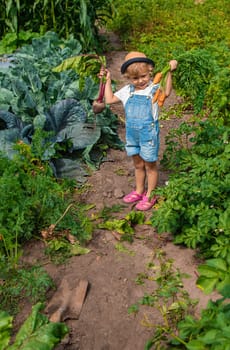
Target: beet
<point>99,104</point>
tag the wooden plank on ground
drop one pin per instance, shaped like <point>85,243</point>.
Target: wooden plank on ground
<point>77,299</point>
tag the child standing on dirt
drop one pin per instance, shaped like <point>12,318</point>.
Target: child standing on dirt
<point>141,115</point>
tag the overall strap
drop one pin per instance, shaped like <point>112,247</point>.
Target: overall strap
<point>131,89</point>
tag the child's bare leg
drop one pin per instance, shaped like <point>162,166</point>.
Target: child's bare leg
<point>152,176</point>
<point>140,173</point>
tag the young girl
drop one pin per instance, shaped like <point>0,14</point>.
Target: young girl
<point>141,115</point>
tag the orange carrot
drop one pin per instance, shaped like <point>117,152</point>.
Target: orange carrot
<point>161,98</point>
<point>156,95</point>
<point>157,78</point>
<point>160,78</point>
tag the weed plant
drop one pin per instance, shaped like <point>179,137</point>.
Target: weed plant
<point>178,327</point>
<point>32,200</point>
<point>168,296</point>
<point>28,283</point>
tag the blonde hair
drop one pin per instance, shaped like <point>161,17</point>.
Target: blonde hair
<point>138,67</point>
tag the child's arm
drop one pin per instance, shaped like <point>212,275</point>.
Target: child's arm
<point>168,86</point>
<point>110,98</point>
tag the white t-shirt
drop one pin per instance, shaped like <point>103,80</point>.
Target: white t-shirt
<point>124,93</point>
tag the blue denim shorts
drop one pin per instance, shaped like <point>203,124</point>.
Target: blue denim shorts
<point>143,140</point>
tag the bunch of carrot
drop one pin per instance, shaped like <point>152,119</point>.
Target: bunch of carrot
<point>160,78</point>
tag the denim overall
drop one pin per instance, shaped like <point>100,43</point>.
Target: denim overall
<point>142,131</point>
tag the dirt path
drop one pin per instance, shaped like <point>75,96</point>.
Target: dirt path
<point>104,322</point>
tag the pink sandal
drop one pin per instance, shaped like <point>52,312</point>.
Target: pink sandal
<point>146,203</point>
<point>132,197</point>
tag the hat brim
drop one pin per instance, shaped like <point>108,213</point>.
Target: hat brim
<point>134,60</point>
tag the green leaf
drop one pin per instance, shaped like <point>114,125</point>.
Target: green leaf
<point>135,217</point>
<point>6,96</point>
<point>69,63</point>
<point>224,220</point>
<point>121,248</point>
<point>84,65</point>
<point>121,226</point>
<point>188,326</point>
<point>224,287</point>
<point>208,271</point>
<point>214,274</point>
<point>133,308</point>
<point>76,249</point>
<point>206,284</point>
<point>5,329</point>
<point>80,135</point>
<point>219,264</point>
<point>149,344</point>
<point>210,336</point>
<point>37,333</point>
<point>195,345</point>
<point>39,121</point>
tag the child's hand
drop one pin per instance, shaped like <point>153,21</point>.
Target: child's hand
<point>104,72</point>
<point>173,64</point>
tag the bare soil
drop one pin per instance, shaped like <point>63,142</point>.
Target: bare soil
<point>104,322</point>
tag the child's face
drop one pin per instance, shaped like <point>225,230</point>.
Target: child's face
<point>140,77</point>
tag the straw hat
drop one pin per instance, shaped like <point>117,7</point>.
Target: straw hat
<point>133,57</point>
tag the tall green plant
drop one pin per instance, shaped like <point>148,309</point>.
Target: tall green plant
<point>195,33</point>
<point>218,95</point>
<point>140,14</point>
<point>195,208</point>
<point>77,18</point>
<point>12,14</point>
<point>195,70</point>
